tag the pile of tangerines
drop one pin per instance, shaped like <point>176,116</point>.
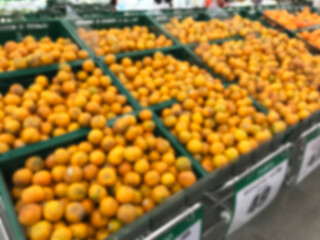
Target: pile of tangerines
<point>116,40</point>
<point>189,30</point>
<point>312,36</point>
<point>49,108</point>
<point>217,125</point>
<point>278,71</point>
<point>91,189</point>
<point>156,79</point>
<point>32,53</point>
<point>304,18</point>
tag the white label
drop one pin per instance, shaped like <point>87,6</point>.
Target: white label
<point>311,159</point>
<point>193,233</point>
<point>3,232</point>
<point>254,197</point>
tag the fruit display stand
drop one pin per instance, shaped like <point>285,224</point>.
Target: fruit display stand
<point>213,195</point>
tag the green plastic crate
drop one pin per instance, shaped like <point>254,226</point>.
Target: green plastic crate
<point>141,227</point>
<point>116,21</point>
<point>178,52</point>
<point>291,9</point>
<point>16,31</point>
<point>26,80</point>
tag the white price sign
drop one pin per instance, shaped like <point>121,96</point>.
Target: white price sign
<point>311,157</point>
<point>256,191</point>
<point>193,233</point>
<point>186,226</point>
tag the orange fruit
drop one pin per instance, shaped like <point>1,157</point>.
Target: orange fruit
<point>33,194</point>
<point>43,178</point>
<point>53,210</point>
<point>151,178</point>
<point>76,191</point>
<point>168,179</point>
<point>240,135</point>
<point>216,148</point>
<point>132,153</point>
<point>73,174</point>
<point>194,146</point>
<point>61,156</point>
<point>108,207</point>
<point>186,178</point>
<point>132,179</point>
<point>97,192</point>
<point>148,204</point>
<point>231,153</point>
<point>79,230</point>
<point>125,194</point>
<point>220,161</point>
<point>29,214</point>
<point>126,213</point>
<point>90,172</point>
<point>244,147</point>
<point>74,212</point>
<point>145,115</point>
<point>160,193</point>
<point>61,190</point>
<point>110,59</point>
<point>88,65</point>
<point>95,136</point>
<point>98,220</point>
<point>22,177</point>
<point>141,166</point>
<point>115,156</point>
<point>40,230</point>
<point>61,233</point>
<point>183,163</point>
<point>107,177</point>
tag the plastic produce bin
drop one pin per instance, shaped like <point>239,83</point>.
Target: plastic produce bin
<point>16,31</point>
<point>116,21</point>
<point>27,79</point>
<point>140,227</point>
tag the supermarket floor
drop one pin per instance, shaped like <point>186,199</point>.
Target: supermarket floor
<point>294,215</point>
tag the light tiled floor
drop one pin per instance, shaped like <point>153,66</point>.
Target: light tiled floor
<point>294,215</point>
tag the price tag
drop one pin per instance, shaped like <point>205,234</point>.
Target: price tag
<point>256,190</point>
<point>311,156</point>
<point>186,226</point>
